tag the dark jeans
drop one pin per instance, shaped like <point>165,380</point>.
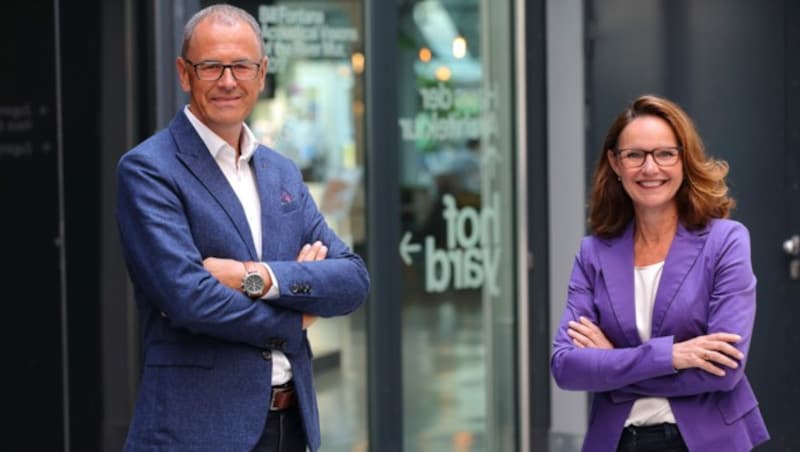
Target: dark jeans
<point>652,438</point>
<point>283,432</point>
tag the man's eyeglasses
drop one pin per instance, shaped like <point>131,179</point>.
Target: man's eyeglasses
<point>213,70</point>
<point>635,158</point>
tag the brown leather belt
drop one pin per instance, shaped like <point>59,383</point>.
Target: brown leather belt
<point>283,397</point>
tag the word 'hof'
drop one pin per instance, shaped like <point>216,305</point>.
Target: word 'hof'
<point>470,258</point>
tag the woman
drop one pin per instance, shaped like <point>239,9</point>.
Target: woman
<point>662,297</point>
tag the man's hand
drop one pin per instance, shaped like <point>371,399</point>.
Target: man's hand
<point>308,253</point>
<point>708,353</point>
<point>229,272</point>
<point>308,320</point>
<point>312,252</point>
<point>586,334</point>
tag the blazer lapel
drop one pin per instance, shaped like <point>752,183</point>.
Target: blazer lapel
<point>682,255</point>
<point>616,264</point>
<point>268,181</point>
<point>194,154</point>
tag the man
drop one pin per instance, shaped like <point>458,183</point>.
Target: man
<point>230,260</point>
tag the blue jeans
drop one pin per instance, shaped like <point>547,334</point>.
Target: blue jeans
<point>652,438</point>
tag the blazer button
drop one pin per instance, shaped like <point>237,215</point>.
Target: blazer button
<point>267,355</point>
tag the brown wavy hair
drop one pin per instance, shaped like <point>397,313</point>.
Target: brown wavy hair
<point>703,195</point>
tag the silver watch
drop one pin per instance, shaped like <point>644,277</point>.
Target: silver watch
<point>252,282</point>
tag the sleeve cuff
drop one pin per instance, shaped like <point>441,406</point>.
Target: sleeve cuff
<point>274,290</point>
<point>663,354</point>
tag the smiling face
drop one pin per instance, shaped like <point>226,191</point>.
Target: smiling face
<point>222,104</point>
<point>652,188</point>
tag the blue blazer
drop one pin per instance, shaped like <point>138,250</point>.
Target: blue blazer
<point>207,366</point>
<point>707,286</point>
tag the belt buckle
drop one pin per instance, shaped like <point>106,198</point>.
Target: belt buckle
<point>282,397</point>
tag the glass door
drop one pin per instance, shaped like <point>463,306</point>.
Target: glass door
<point>456,153</point>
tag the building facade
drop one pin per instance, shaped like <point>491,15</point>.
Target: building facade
<point>449,142</point>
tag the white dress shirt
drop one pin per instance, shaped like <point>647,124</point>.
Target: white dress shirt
<point>648,410</point>
<point>241,178</point>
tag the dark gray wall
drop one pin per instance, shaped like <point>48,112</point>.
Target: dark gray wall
<point>30,188</point>
<point>51,232</point>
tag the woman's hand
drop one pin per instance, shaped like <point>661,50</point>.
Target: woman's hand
<point>708,353</point>
<point>586,334</point>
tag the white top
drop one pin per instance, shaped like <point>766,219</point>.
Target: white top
<point>243,182</point>
<point>648,410</point>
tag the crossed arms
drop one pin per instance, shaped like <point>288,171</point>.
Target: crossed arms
<point>171,274</point>
<point>585,359</point>
<point>230,272</point>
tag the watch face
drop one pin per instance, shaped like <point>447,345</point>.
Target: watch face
<point>253,284</point>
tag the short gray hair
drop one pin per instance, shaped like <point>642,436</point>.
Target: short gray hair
<point>224,14</point>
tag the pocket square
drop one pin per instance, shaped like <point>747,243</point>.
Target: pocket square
<point>286,198</point>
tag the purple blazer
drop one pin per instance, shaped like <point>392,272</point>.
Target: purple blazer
<point>707,286</point>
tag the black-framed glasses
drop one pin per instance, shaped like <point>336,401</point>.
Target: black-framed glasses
<point>213,70</point>
<point>635,157</point>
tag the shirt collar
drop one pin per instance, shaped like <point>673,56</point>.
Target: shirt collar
<point>215,143</point>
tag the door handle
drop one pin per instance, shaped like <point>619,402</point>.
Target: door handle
<point>792,248</point>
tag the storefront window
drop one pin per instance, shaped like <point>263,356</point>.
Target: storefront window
<point>458,249</point>
<point>312,112</point>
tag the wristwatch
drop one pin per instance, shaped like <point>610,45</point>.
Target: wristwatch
<point>252,282</point>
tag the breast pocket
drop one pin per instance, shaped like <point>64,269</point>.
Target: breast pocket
<point>290,206</point>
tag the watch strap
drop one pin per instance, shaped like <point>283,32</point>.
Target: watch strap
<point>249,267</point>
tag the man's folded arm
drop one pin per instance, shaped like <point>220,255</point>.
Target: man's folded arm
<point>167,267</point>
<point>334,286</point>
